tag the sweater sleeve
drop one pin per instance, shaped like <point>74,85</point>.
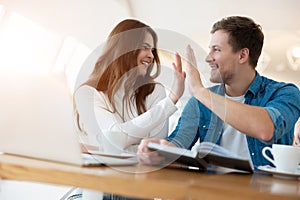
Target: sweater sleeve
<point>95,116</point>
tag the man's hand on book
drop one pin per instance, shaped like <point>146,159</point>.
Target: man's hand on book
<point>149,157</point>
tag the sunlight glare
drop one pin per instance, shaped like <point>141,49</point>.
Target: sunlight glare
<point>296,51</point>
<point>1,11</point>
<point>70,59</point>
<point>25,47</point>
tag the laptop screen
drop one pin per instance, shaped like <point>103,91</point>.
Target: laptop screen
<point>37,119</point>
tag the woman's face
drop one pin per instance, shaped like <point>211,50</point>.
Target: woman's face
<point>145,56</point>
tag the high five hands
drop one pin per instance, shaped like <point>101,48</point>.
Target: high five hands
<point>193,74</point>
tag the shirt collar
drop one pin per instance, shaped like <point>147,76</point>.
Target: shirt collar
<point>255,85</point>
<point>253,89</point>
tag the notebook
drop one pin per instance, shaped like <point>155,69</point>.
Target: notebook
<point>36,120</point>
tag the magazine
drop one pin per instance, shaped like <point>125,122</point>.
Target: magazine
<point>205,154</point>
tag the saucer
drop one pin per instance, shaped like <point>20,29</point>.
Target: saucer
<point>116,155</point>
<point>275,173</point>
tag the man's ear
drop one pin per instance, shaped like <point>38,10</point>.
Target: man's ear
<point>244,55</point>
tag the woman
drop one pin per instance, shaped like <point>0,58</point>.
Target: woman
<point>121,97</point>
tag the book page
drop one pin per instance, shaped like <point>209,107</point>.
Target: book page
<point>212,148</point>
<point>174,150</point>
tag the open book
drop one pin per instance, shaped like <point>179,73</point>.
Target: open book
<point>206,153</point>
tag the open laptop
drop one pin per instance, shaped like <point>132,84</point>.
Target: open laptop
<point>36,120</point>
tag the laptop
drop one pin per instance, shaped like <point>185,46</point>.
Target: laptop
<point>36,120</point>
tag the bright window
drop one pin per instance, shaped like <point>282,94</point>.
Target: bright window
<point>70,60</point>
<point>29,49</point>
<point>25,47</point>
<point>1,11</point>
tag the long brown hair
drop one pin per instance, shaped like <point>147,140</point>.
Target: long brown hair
<point>118,62</point>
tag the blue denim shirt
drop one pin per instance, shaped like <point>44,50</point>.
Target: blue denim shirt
<point>281,100</point>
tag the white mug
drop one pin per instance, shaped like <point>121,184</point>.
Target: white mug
<point>286,157</point>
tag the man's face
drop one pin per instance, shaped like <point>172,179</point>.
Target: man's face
<point>222,60</point>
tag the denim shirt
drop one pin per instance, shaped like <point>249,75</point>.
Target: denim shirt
<point>281,100</point>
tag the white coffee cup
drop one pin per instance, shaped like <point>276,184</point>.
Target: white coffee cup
<point>111,141</point>
<point>286,157</point>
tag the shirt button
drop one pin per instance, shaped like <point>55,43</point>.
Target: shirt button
<point>252,154</point>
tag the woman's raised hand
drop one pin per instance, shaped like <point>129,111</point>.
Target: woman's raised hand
<point>179,79</point>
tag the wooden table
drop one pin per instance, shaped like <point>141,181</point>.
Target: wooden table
<point>149,182</point>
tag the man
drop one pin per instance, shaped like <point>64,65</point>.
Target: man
<point>243,113</point>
